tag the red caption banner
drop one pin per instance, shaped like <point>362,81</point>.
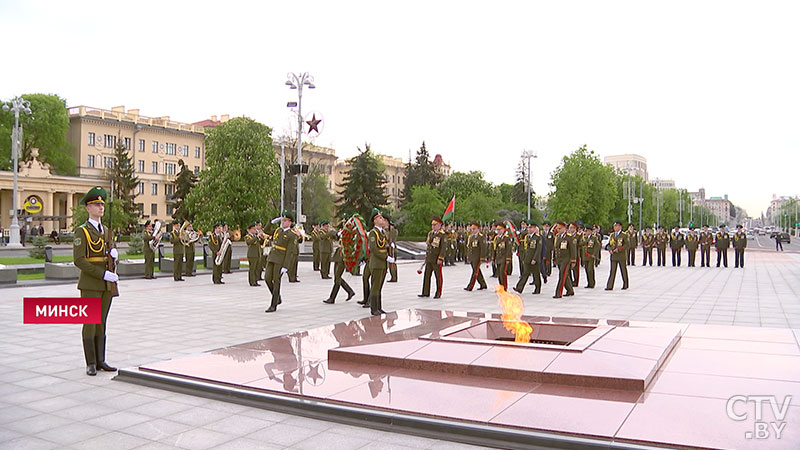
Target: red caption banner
<point>61,310</point>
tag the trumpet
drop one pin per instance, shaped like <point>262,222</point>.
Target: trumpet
<point>300,232</point>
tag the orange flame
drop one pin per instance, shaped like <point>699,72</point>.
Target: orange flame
<point>512,315</point>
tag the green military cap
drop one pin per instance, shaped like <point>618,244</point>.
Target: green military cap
<point>147,222</point>
<point>95,195</point>
<point>435,220</point>
<point>252,224</point>
<point>324,222</point>
<point>288,214</point>
<point>218,223</point>
<point>375,212</point>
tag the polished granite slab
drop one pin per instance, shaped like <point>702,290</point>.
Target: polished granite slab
<point>398,362</point>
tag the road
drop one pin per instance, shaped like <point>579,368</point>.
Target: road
<point>766,243</point>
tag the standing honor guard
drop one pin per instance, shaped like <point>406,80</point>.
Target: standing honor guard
<point>618,247</point>
<point>338,271</point>
<point>633,242</point>
<point>504,252</point>
<point>393,243</point>
<point>476,252</point>
<point>379,256</point>
<point>149,254</point>
<point>226,261</point>
<point>189,237</point>
<point>253,254</point>
<point>572,232</point>
<point>177,252</point>
<point>648,241</point>
<point>92,254</point>
<point>590,252</point>
<point>661,247</point>
<point>315,246</point>
<point>325,237</point>
<point>215,245</point>
<point>262,257</point>
<point>434,257</point>
<point>531,248</point>
<point>706,239</point>
<point>739,244</point>
<point>564,256</point>
<point>676,242</point>
<point>277,262</point>
<point>548,245</point>
<point>722,242</point>
<point>293,253</point>
<point>521,234</point>
<point>692,241</point>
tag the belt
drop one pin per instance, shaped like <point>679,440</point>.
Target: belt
<point>96,258</point>
<point>278,247</point>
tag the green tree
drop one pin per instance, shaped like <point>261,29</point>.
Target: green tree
<point>123,177</point>
<point>79,215</point>
<point>584,189</point>
<point>184,183</point>
<point>480,207</point>
<point>318,202</point>
<point>45,128</point>
<point>364,184</point>
<point>461,184</point>
<point>425,202</point>
<point>421,172</point>
<point>241,177</point>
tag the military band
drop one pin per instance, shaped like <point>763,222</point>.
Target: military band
<point>177,252</point>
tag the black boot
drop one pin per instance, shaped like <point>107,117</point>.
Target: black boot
<point>89,355</point>
<point>100,347</point>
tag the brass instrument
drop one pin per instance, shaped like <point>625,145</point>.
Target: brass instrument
<point>157,234</point>
<point>188,237</point>
<point>226,242</point>
<point>265,244</point>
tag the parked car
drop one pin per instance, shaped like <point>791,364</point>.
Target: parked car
<point>785,237</point>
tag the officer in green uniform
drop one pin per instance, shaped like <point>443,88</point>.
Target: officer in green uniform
<point>572,232</point>
<point>253,254</point>
<point>633,242</point>
<point>315,255</point>
<point>226,261</point>
<point>215,245</point>
<point>504,253</point>
<point>722,242</point>
<point>739,244</point>
<point>338,271</point>
<point>378,241</point>
<point>590,251</point>
<point>648,241</point>
<point>434,258</point>
<point>706,239</point>
<point>177,252</point>
<point>661,247</point>
<point>393,244</point>
<point>277,262</point>
<point>149,254</point>
<point>325,237</point>
<point>564,256</point>
<point>692,241</point>
<point>617,247</point>
<point>531,248</point>
<point>262,242</point>
<point>293,254</point>
<point>522,232</point>
<point>476,252</point>
<point>548,241</point>
<point>90,255</point>
<point>676,242</point>
<point>188,250</point>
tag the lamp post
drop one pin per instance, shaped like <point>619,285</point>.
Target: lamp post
<point>283,170</point>
<point>297,81</point>
<point>658,202</point>
<point>17,105</point>
<point>528,154</point>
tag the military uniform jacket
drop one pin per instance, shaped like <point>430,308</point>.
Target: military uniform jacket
<point>253,246</point>
<point>214,244</point>
<point>476,247</point>
<point>378,243</point>
<point>633,238</point>
<point>648,240</point>
<point>661,240</point>
<point>548,243</point>
<point>315,240</point>
<point>503,249</point>
<point>434,252</point>
<point>565,251</point>
<point>591,248</point>
<point>293,247</point>
<point>325,239</point>
<point>532,248</point>
<point>89,255</point>
<point>337,254</point>
<point>177,245</point>
<point>676,240</point>
<point>617,244</point>
<point>692,241</point>
<point>723,240</point>
<point>740,240</point>
<point>147,236</point>
<point>706,239</point>
<point>282,241</point>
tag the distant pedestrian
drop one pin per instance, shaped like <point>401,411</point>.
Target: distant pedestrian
<point>54,237</point>
<point>22,232</point>
<point>41,230</point>
<point>778,242</point>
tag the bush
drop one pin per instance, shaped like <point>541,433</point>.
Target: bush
<point>135,245</point>
<point>38,247</point>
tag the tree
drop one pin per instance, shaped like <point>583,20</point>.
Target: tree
<point>584,189</point>
<point>45,128</point>
<point>79,215</point>
<point>123,177</point>
<point>364,185</point>
<point>462,184</point>
<point>241,177</point>
<point>420,173</point>
<point>183,185</point>
<point>425,202</point>
<point>317,199</point>
<point>480,207</point>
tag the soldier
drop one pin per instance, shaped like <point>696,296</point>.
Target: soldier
<point>548,243</point>
<point>253,254</point>
<point>676,242</point>
<point>531,248</point>
<point>476,251</point>
<point>573,234</point>
<point>598,235</point>
<point>617,247</point>
<point>338,271</point>
<point>739,244</point>
<point>503,253</point>
<point>226,262</point>
<point>633,242</point>
<point>177,252</point>
<point>590,251</point>
<point>393,243</point>
<point>188,250</point>
<point>379,249</point>
<point>262,243</point>
<point>522,232</point>
<point>564,255</point>
<point>315,255</point>
<point>648,241</point>
<point>293,256</point>
<point>692,241</point>
<point>661,247</point>
<point>89,255</point>
<point>434,257</point>
<point>451,245</point>
<point>706,239</point>
<point>149,254</point>
<point>215,245</point>
<point>277,262</point>
<point>722,242</point>
<point>461,241</point>
<point>325,236</point>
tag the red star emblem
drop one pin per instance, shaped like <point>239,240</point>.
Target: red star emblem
<point>313,124</point>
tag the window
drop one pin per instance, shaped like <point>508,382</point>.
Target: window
<point>108,162</point>
<point>141,165</point>
<point>169,168</point>
<point>153,209</point>
<point>91,138</point>
<point>155,167</point>
<point>170,149</point>
<point>155,146</point>
<point>90,161</point>
<point>127,143</point>
<point>140,208</point>
<point>141,145</point>
<point>154,189</point>
<point>110,140</point>
<point>170,209</point>
<point>186,151</point>
<point>196,170</point>
<point>140,188</point>
<point>170,188</point>
<point>197,152</point>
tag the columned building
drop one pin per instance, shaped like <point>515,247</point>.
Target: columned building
<point>631,163</point>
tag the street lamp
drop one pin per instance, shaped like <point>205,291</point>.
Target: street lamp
<point>17,105</point>
<point>297,81</point>
<point>283,169</point>
<point>528,154</point>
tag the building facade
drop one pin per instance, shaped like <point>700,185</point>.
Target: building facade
<point>394,171</point>
<point>630,163</point>
<point>659,183</point>
<point>720,207</point>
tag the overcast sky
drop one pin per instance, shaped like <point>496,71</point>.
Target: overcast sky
<point>708,92</point>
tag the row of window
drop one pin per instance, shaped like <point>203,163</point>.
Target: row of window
<point>154,209</point>
<point>170,148</point>
<point>167,168</point>
<point>169,189</point>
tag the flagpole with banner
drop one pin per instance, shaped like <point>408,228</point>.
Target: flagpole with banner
<point>450,212</point>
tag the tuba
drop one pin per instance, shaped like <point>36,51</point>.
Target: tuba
<point>156,235</point>
<point>226,242</point>
<point>188,237</point>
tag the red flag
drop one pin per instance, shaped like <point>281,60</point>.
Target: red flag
<point>450,211</point>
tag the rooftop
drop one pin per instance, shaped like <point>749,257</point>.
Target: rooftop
<point>118,114</point>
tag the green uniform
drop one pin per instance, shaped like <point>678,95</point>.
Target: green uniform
<point>149,254</point>
<point>253,256</point>
<point>706,239</point>
<point>576,268</point>
<point>215,244</point>
<point>504,252</point>
<point>262,257</point>
<point>226,262</point>
<point>692,241</point>
<point>676,242</point>
<point>325,244</point>
<point>338,280</point>
<point>177,255</point>
<point>722,242</point>
<point>548,246</point>
<point>315,253</point>
<point>530,248</point>
<point>188,250</point>
<point>618,246</point>
<point>661,248</point>
<point>393,244</point>
<point>590,253</point>
<point>434,258</point>
<point>476,252</point>
<point>278,263</point>
<point>739,244</point>
<point>378,242</point>
<point>564,255</point>
<point>633,238</point>
<point>648,242</point>
<point>293,256</point>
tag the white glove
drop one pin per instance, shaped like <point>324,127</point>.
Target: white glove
<point>114,253</point>
<point>390,260</point>
<point>284,270</point>
<point>394,245</point>
<point>340,234</point>
<point>363,263</point>
<point>110,276</point>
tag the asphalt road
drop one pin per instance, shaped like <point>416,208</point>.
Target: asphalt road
<point>764,242</point>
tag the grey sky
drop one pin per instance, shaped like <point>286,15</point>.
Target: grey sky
<point>708,92</point>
